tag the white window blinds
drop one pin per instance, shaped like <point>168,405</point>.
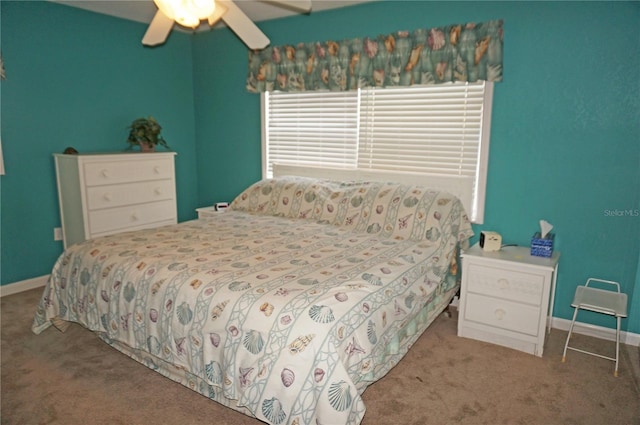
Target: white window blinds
<point>311,128</point>
<point>437,129</point>
<point>430,129</point>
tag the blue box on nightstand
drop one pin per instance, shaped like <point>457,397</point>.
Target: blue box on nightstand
<point>542,247</point>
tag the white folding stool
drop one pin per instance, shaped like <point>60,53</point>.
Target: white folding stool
<point>612,303</point>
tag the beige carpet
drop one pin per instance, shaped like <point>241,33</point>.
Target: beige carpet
<point>74,378</point>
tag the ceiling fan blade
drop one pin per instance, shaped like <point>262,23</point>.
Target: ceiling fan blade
<point>297,5</point>
<point>244,28</point>
<point>217,14</point>
<point>158,30</point>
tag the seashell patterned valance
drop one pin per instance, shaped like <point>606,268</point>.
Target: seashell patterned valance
<point>463,52</point>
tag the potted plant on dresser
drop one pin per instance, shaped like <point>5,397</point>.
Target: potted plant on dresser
<point>145,132</point>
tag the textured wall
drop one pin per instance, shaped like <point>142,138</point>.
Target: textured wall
<point>564,144</point>
<point>76,78</point>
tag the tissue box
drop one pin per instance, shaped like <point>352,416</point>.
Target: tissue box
<point>542,247</point>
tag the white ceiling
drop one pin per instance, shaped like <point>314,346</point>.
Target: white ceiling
<point>144,10</point>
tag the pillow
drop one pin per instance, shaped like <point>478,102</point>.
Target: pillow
<point>387,209</point>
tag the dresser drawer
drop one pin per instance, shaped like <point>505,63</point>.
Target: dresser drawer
<point>99,197</point>
<point>506,284</point>
<point>133,170</point>
<point>502,314</point>
<point>108,220</point>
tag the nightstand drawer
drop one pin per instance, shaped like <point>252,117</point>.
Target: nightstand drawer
<point>128,170</point>
<point>506,284</point>
<point>99,197</point>
<point>108,220</point>
<point>502,314</point>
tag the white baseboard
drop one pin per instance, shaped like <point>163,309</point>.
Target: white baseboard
<point>556,322</point>
<point>23,285</point>
<point>596,331</point>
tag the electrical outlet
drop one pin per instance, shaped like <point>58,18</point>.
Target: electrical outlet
<point>57,233</point>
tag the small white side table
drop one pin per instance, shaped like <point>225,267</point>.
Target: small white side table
<point>206,212</point>
<point>507,297</point>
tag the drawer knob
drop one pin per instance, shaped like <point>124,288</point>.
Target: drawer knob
<point>107,197</point>
<point>105,173</point>
<point>503,283</point>
<point>500,313</point>
<point>156,169</point>
<point>134,216</point>
<point>157,191</point>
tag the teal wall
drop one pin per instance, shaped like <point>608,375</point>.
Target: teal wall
<point>565,131</point>
<point>565,127</point>
<point>76,78</point>
<point>634,304</point>
<point>227,118</point>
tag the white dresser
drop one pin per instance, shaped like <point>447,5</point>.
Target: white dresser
<point>103,194</point>
<point>506,297</point>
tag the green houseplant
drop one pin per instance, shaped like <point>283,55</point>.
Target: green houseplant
<point>145,132</point>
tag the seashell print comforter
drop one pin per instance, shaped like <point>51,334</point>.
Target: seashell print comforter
<point>284,319</point>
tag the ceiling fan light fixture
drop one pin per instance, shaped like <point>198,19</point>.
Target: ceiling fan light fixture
<point>188,13</point>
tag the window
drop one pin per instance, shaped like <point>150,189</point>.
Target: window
<point>311,128</point>
<point>438,129</point>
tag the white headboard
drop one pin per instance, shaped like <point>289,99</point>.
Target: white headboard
<point>460,186</point>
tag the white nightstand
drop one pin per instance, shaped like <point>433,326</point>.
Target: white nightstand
<point>205,212</point>
<point>507,297</point>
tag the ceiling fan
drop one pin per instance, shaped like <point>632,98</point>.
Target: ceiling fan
<point>189,13</point>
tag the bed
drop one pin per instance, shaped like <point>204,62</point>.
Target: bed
<point>286,306</point>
